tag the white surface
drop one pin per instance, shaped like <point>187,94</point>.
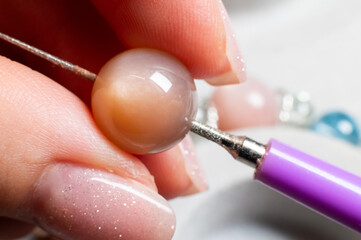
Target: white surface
<point>294,45</point>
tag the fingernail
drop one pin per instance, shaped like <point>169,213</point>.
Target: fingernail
<point>193,167</point>
<point>237,72</point>
<point>74,202</point>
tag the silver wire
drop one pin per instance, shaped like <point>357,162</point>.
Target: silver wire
<point>241,148</point>
<point>51,58</point>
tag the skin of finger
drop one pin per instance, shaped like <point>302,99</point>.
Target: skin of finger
<point>191,30</point>
<point>11,229</point>
<point>169,171</point>
<point>42,123</point>
<point>72,30</point>
<point>73,39</point>
<point>76,32</point>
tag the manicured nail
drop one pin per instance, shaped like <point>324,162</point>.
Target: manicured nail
<point>193,167</point>
<point>74,202</point>
<point>237,72</point>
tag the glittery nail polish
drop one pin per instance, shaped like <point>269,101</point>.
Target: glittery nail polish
<point>237,71</point>
<point>193,167</point>
<point>74,202</point>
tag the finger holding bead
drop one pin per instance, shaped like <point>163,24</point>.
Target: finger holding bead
<point>194,32</point>
<point>73,145</point>
<point>59,171</point>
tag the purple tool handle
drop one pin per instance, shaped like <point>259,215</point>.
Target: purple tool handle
<point>313,182</point>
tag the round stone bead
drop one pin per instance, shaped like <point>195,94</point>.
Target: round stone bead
<point>339,125</point>
<point>144,100</point>
<point>249,104</point>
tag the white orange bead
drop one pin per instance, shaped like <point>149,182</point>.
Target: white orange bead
<point>144,100</point>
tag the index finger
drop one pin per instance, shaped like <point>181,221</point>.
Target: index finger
<point>193,31</point>
<point>198,32</point>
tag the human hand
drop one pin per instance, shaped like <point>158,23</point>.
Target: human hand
<point>50,143</point>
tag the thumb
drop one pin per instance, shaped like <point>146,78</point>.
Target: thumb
<point>58,171</point>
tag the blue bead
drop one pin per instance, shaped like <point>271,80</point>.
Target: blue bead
<point>339,125</point>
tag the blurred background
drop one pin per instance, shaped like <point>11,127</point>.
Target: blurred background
<point>303,45</point>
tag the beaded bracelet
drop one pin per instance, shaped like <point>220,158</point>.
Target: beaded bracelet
<point>253,104</point>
